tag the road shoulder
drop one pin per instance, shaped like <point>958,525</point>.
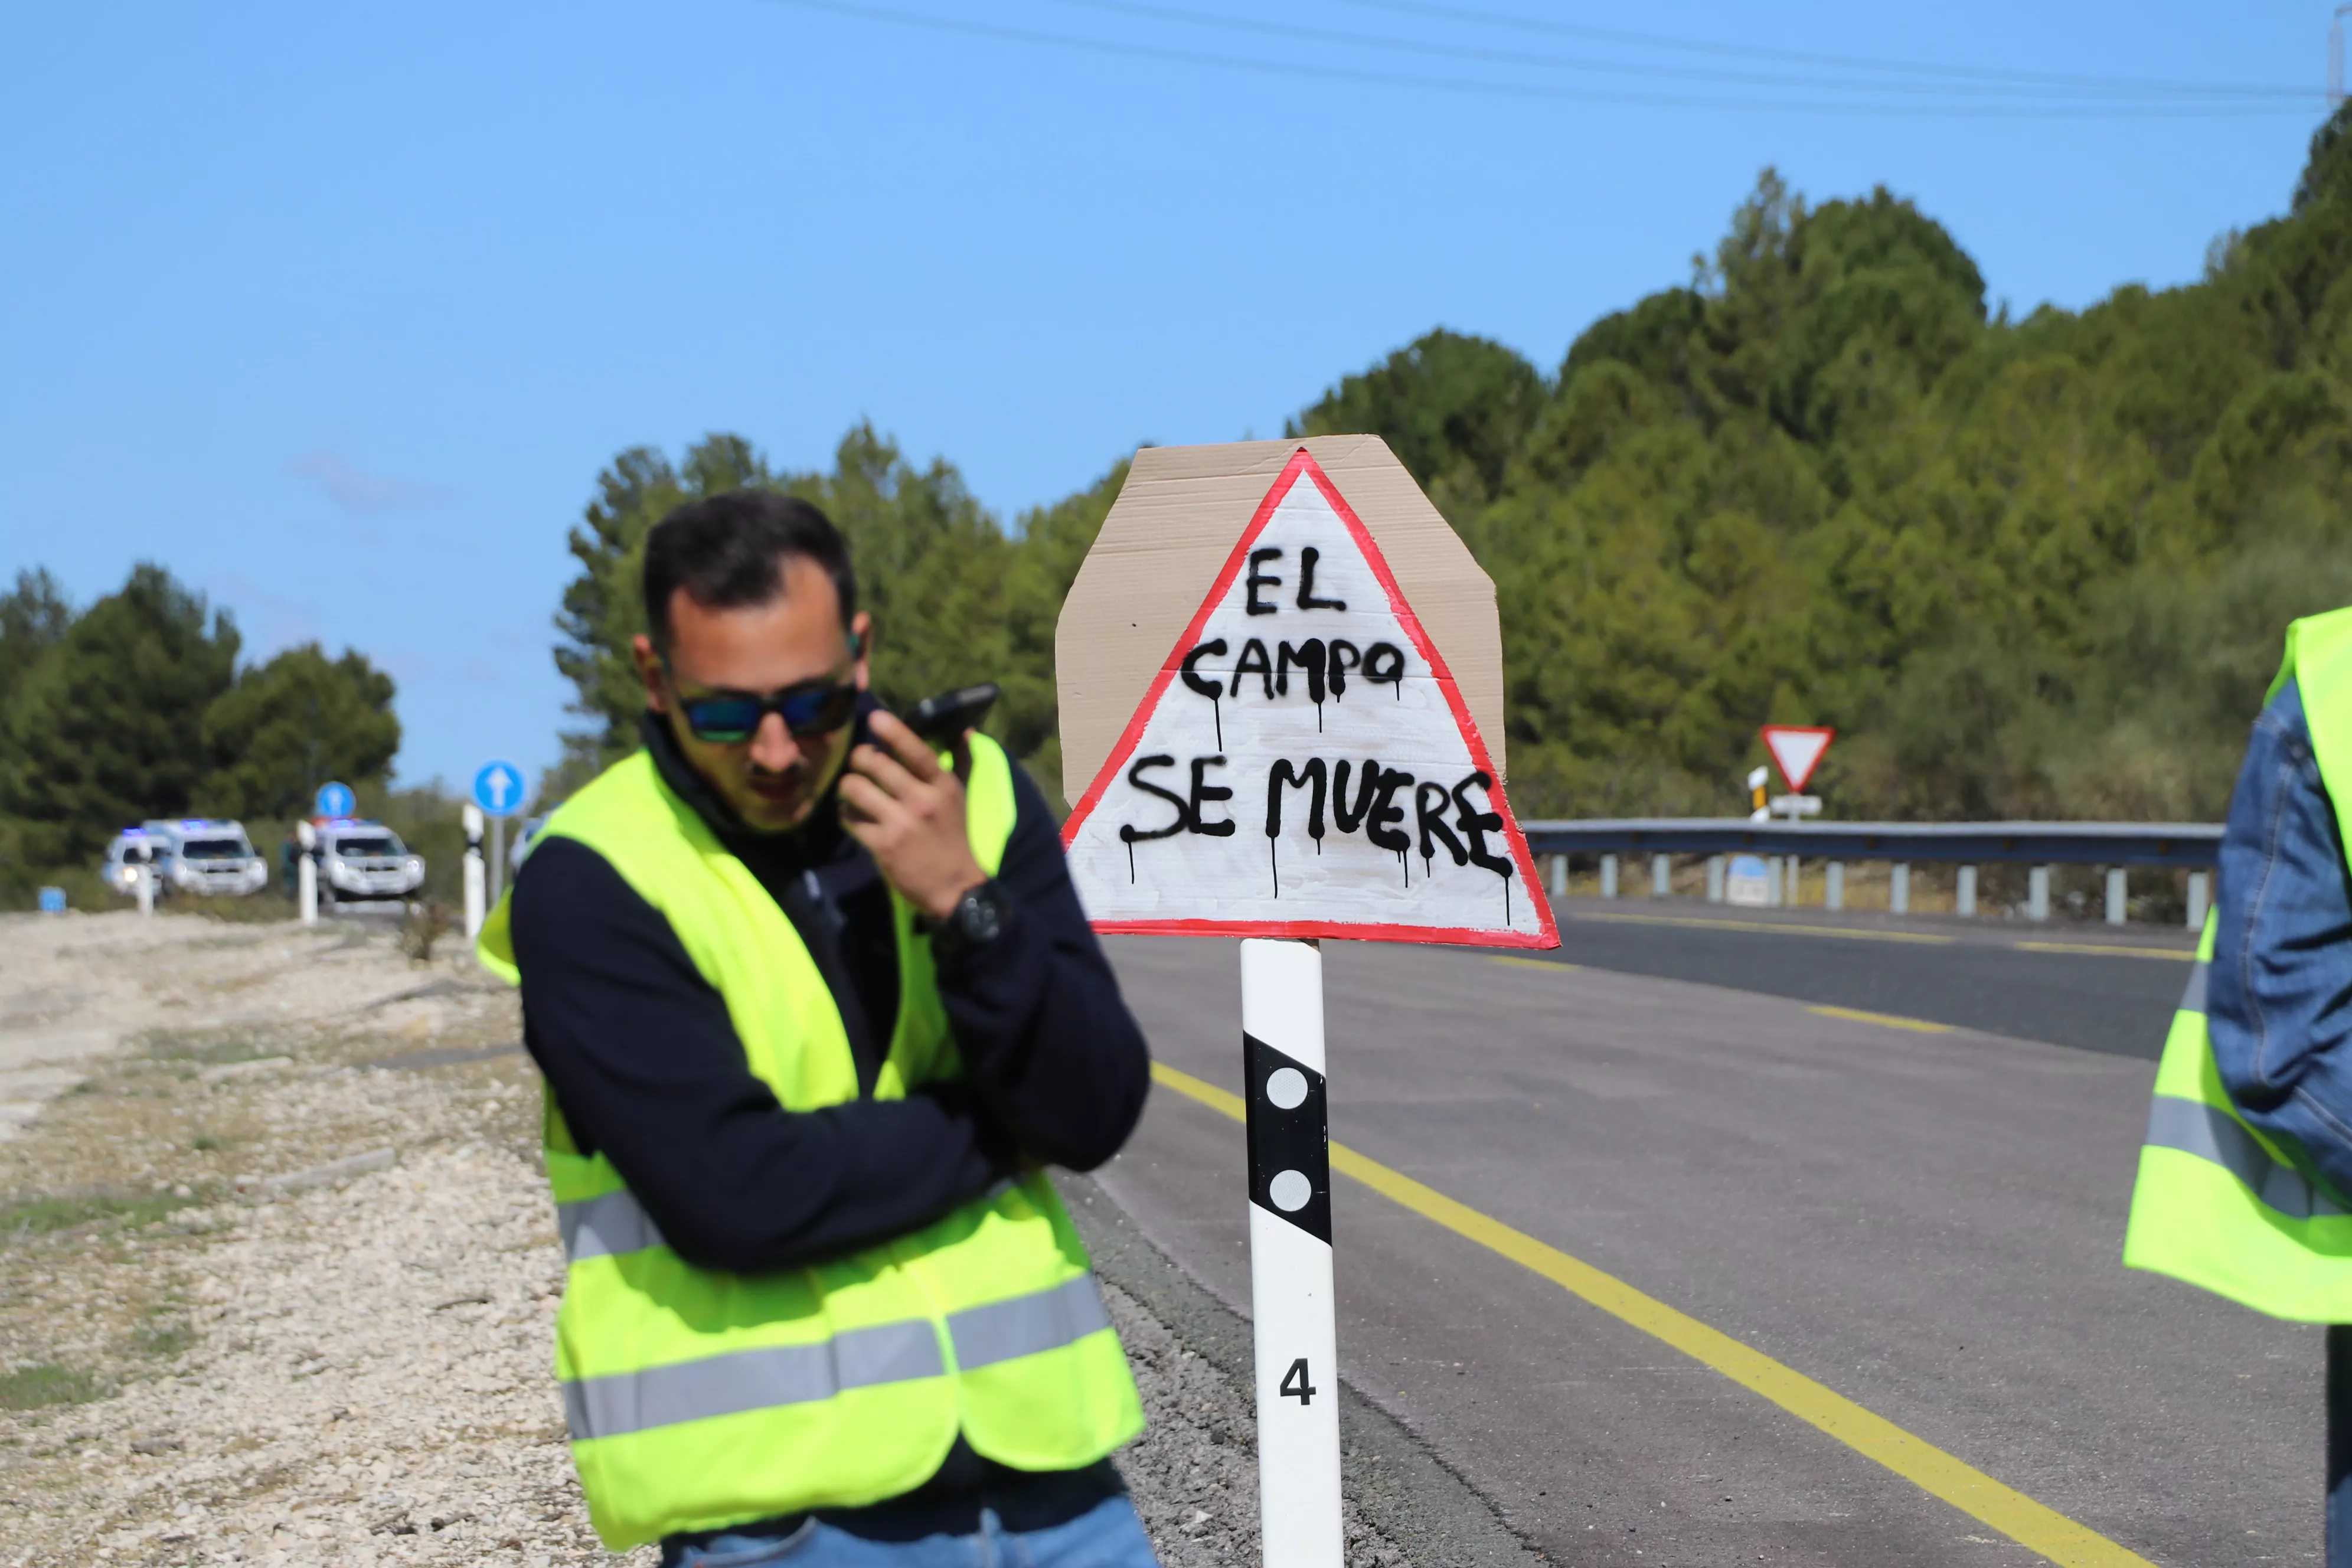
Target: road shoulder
<point>1399,1488</point>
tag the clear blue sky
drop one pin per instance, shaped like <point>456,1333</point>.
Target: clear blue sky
<point>336,312</point>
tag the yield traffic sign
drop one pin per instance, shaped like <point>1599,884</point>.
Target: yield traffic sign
<point>1797,750</point>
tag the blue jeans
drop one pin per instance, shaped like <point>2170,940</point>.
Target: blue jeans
<point>1108,1535</point>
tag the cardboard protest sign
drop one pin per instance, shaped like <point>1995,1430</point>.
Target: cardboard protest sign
<point>1302,760</point>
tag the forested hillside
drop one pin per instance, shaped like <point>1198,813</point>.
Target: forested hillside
<point>136,707</point>
<point>2032,568</point>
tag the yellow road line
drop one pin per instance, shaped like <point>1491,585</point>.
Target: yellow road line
<point>1966,1488</point>
<point>1855,932</point>
<point>2186,956</point>
<point>1527,962</point>
<point>1891,1020</point>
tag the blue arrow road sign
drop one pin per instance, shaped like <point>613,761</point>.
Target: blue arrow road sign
<point>497,789</point>
<point>336,800</point>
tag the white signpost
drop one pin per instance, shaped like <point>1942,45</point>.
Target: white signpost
<point>497,794</point>
<point>306,874</point>
<point>477,905</point>
<point>1265,741</point>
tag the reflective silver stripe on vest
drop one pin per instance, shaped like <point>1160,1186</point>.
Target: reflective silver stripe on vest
<point>622,1402</point>
<point>605,1225</point>
<point>1027,1324</point>
<point>2211,1133</point>
<point>2192,1000</point>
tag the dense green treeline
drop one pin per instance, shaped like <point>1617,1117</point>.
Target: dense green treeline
<point>2031,567</point>
<point>136,707</point>
<point>955,597</point>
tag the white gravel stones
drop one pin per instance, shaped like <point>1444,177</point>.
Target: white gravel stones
<point>355,1362</point>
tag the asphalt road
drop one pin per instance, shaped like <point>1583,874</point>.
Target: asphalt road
<point>2100,991</point>
<point>1927,1223</point>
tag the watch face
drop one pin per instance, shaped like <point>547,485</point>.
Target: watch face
<point>978,915</point>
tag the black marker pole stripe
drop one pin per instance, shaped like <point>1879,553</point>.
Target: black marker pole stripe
<point>1289,1139</point>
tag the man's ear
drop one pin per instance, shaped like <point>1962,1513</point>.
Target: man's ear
<point>649,670</point>
<point>861,647</point>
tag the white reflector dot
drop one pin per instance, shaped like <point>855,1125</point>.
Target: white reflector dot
<point>1290,1189</point>
<point>1286,1088</point>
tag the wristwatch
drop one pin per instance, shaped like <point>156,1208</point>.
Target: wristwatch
<point>975,921</point>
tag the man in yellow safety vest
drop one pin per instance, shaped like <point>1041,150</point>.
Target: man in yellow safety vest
<point>815,1010</point>
<point>2248,1159</point>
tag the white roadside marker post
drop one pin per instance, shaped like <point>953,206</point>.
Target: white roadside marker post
<point>147,884</point>
<point>475,903</point>
<point>1295,1320</point>
<point>305,875</point>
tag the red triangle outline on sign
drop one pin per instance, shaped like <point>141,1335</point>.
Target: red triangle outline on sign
<point>1827,734</point>
<point>1303,463</point>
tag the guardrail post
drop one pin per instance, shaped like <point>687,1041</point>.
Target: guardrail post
<point>1964,901</point>
<point>2037,893</point>
<point>1559,876</point>
<point>2199,894</point>
<point>1833,887</point>
<point>1714,870</point>
<point>2118,903</point>
<point>1609,876</point>
<point>1794,881</point>
<point>1773,895</point>
<point>1661,876</point>
<point>1899,888</point>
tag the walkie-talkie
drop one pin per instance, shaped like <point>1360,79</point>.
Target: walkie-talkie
<point>942,720</point>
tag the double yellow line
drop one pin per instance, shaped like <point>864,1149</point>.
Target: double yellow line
<point>1966,1488</point>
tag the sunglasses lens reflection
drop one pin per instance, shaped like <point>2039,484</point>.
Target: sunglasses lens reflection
<point>730,720</point>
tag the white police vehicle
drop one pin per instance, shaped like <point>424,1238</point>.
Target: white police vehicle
<point>199,855</point>
<point>364,862</point>
<point>131,849</point>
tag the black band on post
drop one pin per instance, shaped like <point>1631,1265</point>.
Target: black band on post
<point>1289,1139</point>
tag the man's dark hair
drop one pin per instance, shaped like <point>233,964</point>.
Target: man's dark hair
<point>729,551</point>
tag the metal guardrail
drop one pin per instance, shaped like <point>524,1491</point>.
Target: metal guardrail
<point>2189,845</point>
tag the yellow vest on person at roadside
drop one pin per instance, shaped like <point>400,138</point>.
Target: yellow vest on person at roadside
<point>2217,1203</point>
<point>698,1399</point>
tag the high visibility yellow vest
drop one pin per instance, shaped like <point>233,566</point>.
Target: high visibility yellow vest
<point>698,1399</point>
<point>2217,1203</point>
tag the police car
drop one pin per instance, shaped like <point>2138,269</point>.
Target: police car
<point>364,862</point>
<point>131,849</point>
<point>197,855</point>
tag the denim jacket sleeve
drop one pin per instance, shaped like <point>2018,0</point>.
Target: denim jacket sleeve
<point>2279,999</point>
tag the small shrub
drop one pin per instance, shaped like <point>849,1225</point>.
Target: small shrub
<point>267,905</point>
<point>163,1340</point>
<point>48,1212</point>
<point>45,1384</point>
<point>423,925</point>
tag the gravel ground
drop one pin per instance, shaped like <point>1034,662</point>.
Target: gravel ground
<point>216,1346</point>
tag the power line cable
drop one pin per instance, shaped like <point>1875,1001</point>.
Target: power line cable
<point>2097,90</point>
<point>1424,8</point>
<point>1496,89</point>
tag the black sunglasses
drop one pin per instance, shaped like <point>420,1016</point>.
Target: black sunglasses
<point>731,718</point>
